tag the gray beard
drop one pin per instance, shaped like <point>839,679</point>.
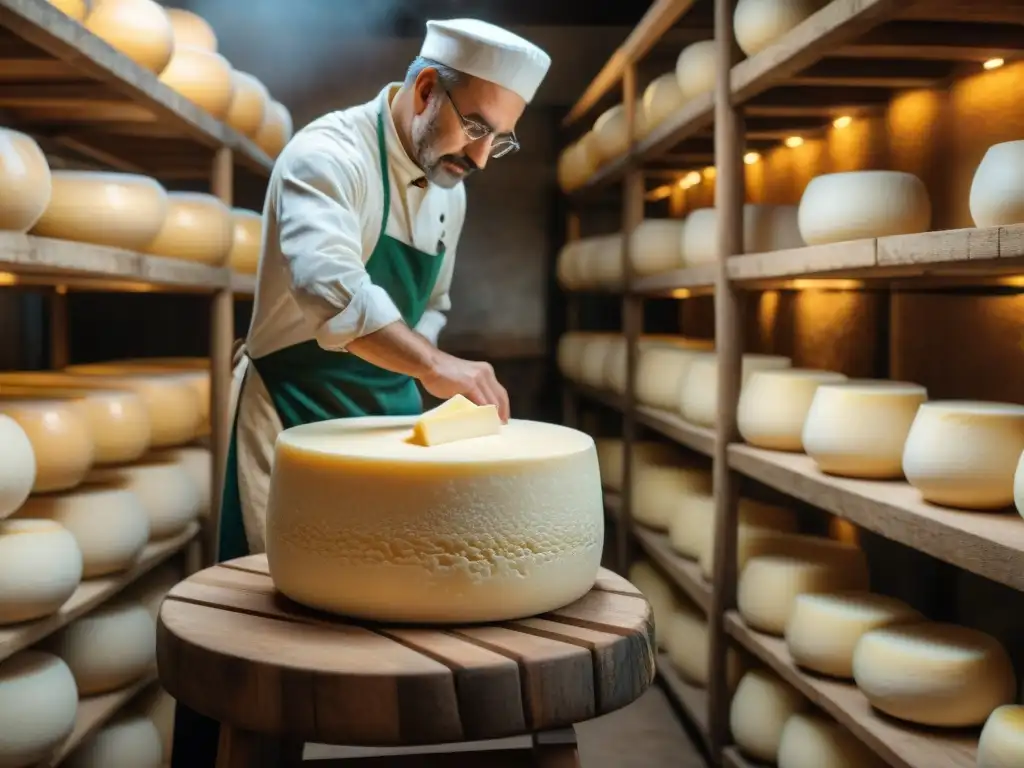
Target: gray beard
<point>428,158</point>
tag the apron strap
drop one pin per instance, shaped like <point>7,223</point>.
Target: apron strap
<point>382,148</point>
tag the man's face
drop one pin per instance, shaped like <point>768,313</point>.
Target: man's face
<point>443,148</point>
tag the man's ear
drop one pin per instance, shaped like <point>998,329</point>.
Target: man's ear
<point>423,88</point>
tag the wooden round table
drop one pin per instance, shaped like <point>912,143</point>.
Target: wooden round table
<point>276,674</point>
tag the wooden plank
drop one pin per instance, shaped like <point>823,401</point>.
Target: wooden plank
<point>900,746</point>
<point>691,699</point>
<point>684,573</point>
<point>675,428</point>
<point>938,247</point>
<point>697,277</point>
<point>988,544</point>
<point>797,262</point>
<point>243,285</point>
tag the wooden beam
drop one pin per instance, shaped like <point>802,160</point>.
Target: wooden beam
<point>904,73</point>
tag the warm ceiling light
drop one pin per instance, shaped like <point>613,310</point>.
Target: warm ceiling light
<point>693,177</point>
<point>842,122</point>
<point>794,141</point>
<point>751,157</point>
<point>710,171</point>
<point>993,63</point>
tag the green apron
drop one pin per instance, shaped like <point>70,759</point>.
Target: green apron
<point>308,383</point>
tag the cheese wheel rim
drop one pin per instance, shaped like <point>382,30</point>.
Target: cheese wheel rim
<point>773,406</point>
<point>1002,738</point>
<point>26,183</point>
<point>140,29</point>
<point>201,76</point>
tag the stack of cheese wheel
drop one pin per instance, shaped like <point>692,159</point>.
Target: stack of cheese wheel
<point>686,641</point>
<point>276,130</point>
<point>1002,739</point>
<point>656,246</point>
<point>659,593</point>
<point>602,266</point>
<point>765,228</point>
<point>660,489</point>
<point>140,29</point>
<point>698,398</point>
<point>196,461</point>
<point>859,428</point>
<point>249,105</point>
<point>964,454</point>
<point>448,463</point>
<point>759,23</point>
<point>655,377</point>
<point>938,675</point>
<point>25,181</point>
<point>770,582</point>
<point>863,204</point>
<point>40,568</point>
<point>61,439</point>
<point>812,740</point>
<point>38,705</point>
<point>594,358</point>
<point>246,242</point>
<point>198,227</point>
<point>128,740</point>
<point>611,455</point>
<point>579,161</point>
<point>761,707</point>
<point>192,30</point>
<point>17,466</point>
<point>611,137</point>
<point>997,196</point>
<point>773,406</point>
<point>661,99</point>
<point>119,210</point>
<point>824,628</point>
<point>196,70</point>
<point>695,69</point>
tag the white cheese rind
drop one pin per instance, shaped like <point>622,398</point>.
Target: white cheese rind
<point>997,194</point>
<point>1002,739</point>
<point>129,741</point>
<point>40,568</point>
<point>656,246</point>
<point>17,466</point>
<point>38,704</point>
<point>166,491</point>
<point>759,23</point>
<point>761,707</point>
<point>695,69</point>
<point>662,98</point>
<point>660,595</point>
<point>773,406</point>
<point>698,401</point>
<point>494,528</point>
<point>815,741</point>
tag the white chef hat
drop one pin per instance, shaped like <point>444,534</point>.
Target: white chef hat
<point>488,52</point>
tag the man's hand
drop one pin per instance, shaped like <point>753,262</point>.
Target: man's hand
<point>450,376</point>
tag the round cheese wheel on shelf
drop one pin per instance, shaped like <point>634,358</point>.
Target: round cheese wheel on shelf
<point>656,246</point>
<point>769,583</point>
<point>610,456</point>
<point>108,648</point>
<point>140,29</point>
<point>542,525</point>
<point>765,228</point>
<point>604,268</point>
<point>567,266</point>
<point>167,492</point>
<point>40,568</point>
<point>1002,739</point>
<point>695,69</point>
<point>77,10</point>
<point>249,103</point>
<point>751,541</point>
<point>861,204</point>
<point>686,640</point>
<point>276,129</point>
<point>129,741</point>
<point>824,629</point>
<point>759,23</point>
<point>38,705</point>
<point>202,77</point>
<point>963,454</point>
<point>760,709</point>
<point>119,210</point>
<point>198,227</point>
<point>660,375</point>
<point>246,241</point>
<point>933,674</point>
<point>997,193</point>
<point>773,406</point>
<point>594,358</point>
<point>192,30</point>
<point>814,741</point>
<point>61,441</point>
<point>17,466</point>
<point>25,181</point>
<point>570,353</point>
<point>661,99</point>
<point>659,489</point>
<point>611,139</point>
<point>197,462</point>
<point>159,706</point>
<point>692,528</point>
<point>698,400</point>
<point>700,237</point>
<point>659,593</point>
<point>151,589</point>
<point>110,525</point>
<point>858,428</point>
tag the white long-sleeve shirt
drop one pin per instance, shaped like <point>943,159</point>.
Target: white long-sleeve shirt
<point>321,221</point>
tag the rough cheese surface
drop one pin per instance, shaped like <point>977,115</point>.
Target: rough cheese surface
<point>815,741</point>
<point>761,707</point>
<point>38,703</point>
<point>362,523</point>
<point>773,406</point>
<point>40,568</point>
<point>1002,739</point>
<point>934,674</point>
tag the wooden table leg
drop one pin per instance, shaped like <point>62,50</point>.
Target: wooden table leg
<point>245,749</point>
<point>556,749</point>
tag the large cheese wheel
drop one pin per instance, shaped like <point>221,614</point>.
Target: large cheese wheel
<point>25,181</point>
<point>198,227</point>
<point>765,228</point>
<point>773,406</point>
<point>760,709</point>
<point>191,30</point>
<point>159,706</point>
<point>40,568</point>
<point>198,464</point>
<point>824,629</point>
<point>110,525</point>
<point>610,455</point>
<point>61,441</point>
<point>249,104</point>
<point>934,674</point>
<point>997,194</point>
<point>770,583</point>
<point>698,401</point>
<point>661,99</point>
<point>814,741</point>
<point>594,358</point>
<point>858,428</point>
<point>759,23</point>
<point>659,489</point>
<point>115,209</point>
<point>695,69</point>
<point>246,241</point>
<point>611,139</point>
<point>169,495</point>
<point>38,704</point>
<point>686,640</point>
<point>108,648</point>
<point>964,454</point>
<point>659,593</point>
<point>492,528</point>
<point>151,589</point>
<point>202,77</point>
<point>140,29</point>
<point>129,741</point>
<point>656,246</point>
<point>77,10</point>
<point>17,466</point>
<point>1002,739</point>
<point>862,204</point>
<point>276,129</point>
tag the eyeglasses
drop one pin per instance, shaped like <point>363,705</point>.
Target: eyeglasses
<point>503,144</point>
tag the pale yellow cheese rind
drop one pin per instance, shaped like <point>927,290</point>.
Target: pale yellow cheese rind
<point>461,425</point>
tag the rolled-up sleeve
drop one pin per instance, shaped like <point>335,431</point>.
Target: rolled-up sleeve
<point>321,241</point>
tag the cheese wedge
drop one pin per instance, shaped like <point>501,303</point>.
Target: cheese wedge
<point>452,405</point>
<point>456,423</point>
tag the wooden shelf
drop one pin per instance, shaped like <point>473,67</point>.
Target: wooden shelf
<point>90,99</point>
<point>96,711</point>
<point>243,285</point>
<point>988,544</point>
<point>697,278</point>
<point>902,746</point>
<point>684,573</point>
<point>90,594</point>
<point>691,699</point>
